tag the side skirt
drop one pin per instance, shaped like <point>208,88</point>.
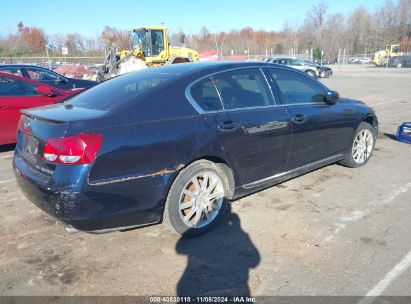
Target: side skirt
<point>281,177</point>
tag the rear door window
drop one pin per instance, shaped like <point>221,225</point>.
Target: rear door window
<point>281,61</point>
<point>296,62</point>
<point>243,88</point>
<point>206,96</point>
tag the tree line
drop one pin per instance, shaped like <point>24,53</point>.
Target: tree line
<point>358,32</point>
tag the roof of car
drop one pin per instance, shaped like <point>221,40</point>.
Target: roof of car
<point>207,67</point>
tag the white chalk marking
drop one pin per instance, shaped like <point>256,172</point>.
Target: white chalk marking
<point>388,101</point>
<point>355,215</point>
<point>387,280</point>
<point>359,214</point>
<point>339,227</point>
<point>6,181</point>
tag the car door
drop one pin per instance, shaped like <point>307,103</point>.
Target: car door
<point>15,95</point>
<point>252,128</point>
<point>320,129</point>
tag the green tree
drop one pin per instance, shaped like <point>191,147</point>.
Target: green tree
<point>317,53</point>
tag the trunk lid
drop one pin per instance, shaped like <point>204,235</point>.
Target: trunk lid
<point>37,125</point>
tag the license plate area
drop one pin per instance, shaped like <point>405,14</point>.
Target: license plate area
<point>30,149</point>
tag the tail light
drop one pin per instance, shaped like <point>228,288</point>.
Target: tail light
<point>72,150</point>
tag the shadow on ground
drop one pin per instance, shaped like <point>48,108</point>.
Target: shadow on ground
<point>218,261</point>
<point>391,136</point>
<point>6,148</point>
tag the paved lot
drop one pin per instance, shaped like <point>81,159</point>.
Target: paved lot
<point>335,231</point>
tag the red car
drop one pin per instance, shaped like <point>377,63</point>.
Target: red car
<point>18,93</point>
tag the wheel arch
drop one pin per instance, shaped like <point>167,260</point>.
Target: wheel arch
<point>214,159</point>
<point>226,166</point>
<point>371,119</point>
<point>176,60</point>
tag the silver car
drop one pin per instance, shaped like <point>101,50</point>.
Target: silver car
<point>297,64</point>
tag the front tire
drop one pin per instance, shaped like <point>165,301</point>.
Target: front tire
<point>362,146</point>
<point>197,199</point>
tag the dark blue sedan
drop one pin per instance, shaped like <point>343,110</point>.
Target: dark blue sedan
<point>47,76</point>
<point>177,143</point>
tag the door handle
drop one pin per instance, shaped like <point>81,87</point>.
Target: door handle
<point>228,126</point>
<point>299,118</point>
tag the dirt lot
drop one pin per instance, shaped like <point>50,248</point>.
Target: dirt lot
<point>335,231</point>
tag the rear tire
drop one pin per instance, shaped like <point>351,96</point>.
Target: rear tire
<point>361,147</point>
<point>192,207</point>
<point>311,73</point>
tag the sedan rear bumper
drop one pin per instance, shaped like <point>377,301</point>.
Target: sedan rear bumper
<point>95,208</point>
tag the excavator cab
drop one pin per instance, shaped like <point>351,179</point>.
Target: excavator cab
<point>151,48</point>
<point>152,42</point>
<point>392,50</point>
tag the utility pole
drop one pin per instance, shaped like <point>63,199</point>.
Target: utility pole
<point>344,57</point>
<point>47,56</point>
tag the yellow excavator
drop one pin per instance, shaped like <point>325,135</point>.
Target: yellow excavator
<point>151,48</point>
<point>381,57</point>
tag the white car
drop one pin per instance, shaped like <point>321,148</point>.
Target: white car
<point>364,60</point>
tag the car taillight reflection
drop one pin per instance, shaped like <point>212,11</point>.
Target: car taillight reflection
<point>24,124</point>
<point>73,150</point>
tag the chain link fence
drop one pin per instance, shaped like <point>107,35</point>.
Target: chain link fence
<point>54,61</point>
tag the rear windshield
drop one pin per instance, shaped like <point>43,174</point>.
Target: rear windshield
<point>119,91</point>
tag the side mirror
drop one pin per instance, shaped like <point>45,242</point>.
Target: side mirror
<point>331,97</point>
<point>44,91</point>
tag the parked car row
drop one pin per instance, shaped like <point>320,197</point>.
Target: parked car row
<point>27,86</point>
<point>313,69</point>
<point>359,60</point>
<point>327,61</point>
<point>46,76</point>
<point>176,143</point>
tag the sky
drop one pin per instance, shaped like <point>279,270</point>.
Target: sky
<point>89,17</point>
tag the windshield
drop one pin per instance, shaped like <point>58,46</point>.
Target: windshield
<point>151,42</point>
<point>119,91</point>
<point>141,40</point>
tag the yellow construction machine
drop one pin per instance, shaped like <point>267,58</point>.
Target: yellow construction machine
<point>151,48</point>
<point>381,57</point>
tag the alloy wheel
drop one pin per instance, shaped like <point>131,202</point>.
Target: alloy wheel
<point>362,146</point>
<point>201,199</point>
